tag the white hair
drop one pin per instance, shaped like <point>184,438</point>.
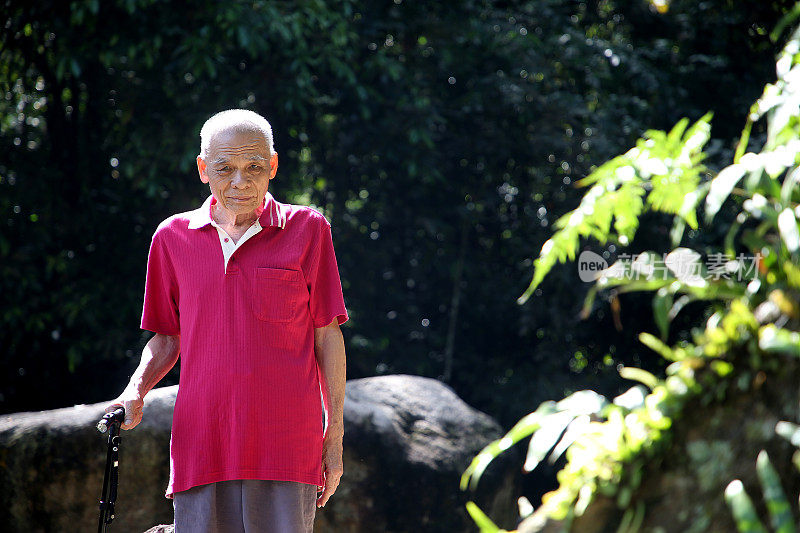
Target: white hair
<point>238,120</point>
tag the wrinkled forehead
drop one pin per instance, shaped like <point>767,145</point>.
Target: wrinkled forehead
<point>238,142</point>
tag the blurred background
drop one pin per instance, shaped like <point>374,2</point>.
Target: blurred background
<point>441,139</point>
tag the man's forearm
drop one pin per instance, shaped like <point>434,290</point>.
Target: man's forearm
<point>329,350</point>
<point>158,357</point>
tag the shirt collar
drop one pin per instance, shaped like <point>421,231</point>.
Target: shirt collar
<point>271,213</point>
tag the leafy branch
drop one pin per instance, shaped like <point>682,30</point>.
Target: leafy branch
<point>752,320</point>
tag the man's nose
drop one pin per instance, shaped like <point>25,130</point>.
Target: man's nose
<point>238,179</point>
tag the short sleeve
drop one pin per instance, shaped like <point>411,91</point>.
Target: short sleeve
<point>325,287</point>
<point>160,309</point>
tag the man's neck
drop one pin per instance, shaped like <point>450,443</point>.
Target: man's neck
<point>226,219</point>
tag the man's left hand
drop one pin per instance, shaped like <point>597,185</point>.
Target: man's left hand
<point>332,468</point>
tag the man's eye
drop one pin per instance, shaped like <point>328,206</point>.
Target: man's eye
<point>255,168</point>
<point>224,169</point>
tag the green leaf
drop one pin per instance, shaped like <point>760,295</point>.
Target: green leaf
<point>786,21</point>
<point>521,430</point>
<point>675,134</point>
<point>789,431</point>
<point>777,340</point>
<point>628,206</point>
<point>698,135</point>
<point>632,398</point>
<point>721,187</point>
<point>557,248</point>
<point>790,183</point>
<point>744,514</point>
<point>777,505</point>
<point>657,346</point>
<point>722,368</point>
<point>543,440</point>
<point>575,430</point>
<point>676,233</point>
<point>741,146</point>
<point>632,519</point>
<point>583,402</point>
<point>567,420</point>
<point>688,210</point>
<point>679,304</point>
<point>481,520</point>
<point>637,374</point>
<point>787,225</point>
<point>662,303</point>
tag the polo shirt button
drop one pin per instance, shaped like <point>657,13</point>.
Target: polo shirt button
<point>226,239</point>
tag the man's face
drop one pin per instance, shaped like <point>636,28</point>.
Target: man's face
<point>238,168</point>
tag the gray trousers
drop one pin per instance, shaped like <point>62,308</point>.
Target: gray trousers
<point>246,506</point>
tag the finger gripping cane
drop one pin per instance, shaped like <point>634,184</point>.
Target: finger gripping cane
<point>110,422</point>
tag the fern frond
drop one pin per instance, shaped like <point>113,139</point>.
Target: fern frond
<point>665,164</point>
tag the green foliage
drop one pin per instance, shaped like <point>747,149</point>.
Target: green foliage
<point>661,173</point>
<point>777,505</point>
<point>743,510</point>
<point>777,340</point>
<point>607,457</point>
<point>778,508</point>
<point>555,425</point>
<point>483,521</point>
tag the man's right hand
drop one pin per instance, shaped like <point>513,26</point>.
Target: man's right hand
<point>159,355</point>
<point>133,405</point>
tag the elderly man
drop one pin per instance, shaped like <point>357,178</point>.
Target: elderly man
<point>247,291</point>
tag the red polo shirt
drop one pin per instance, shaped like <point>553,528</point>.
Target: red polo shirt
<point>248,404</point>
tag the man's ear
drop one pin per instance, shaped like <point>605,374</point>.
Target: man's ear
<point>202,169</point>
<point>273,165</point>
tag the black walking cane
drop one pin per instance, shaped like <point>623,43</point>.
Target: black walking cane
<point>111,422</point>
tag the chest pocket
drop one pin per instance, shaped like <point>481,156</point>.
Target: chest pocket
<point>276,294</point>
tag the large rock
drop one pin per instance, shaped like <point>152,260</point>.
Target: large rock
<point>52,462</point>
<point>407,441</point>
